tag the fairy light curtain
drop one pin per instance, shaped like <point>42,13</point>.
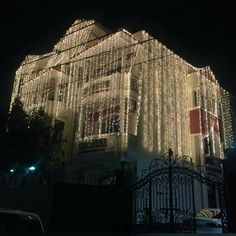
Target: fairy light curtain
<point>225,115</point>
<point>33,84</point>
<point>103,87</point>
<point>211,112</point>
<point>93,87</point>
<point>164,108</point>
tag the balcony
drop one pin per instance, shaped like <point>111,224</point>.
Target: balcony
<point>113,142</point>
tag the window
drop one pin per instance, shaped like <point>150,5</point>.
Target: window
<point>96,88</point>
<point>111,71</point>
<point>51,90</point>
<point>111,124</point>
<point>134,84</point>
<point>194,98</point>
<point>202,101</point>
<point>62,92</point>
<point>100,86</point>
<point>211,146</point>
<point>43,95</point>
<point>132,105</point>
<point>206,146</point>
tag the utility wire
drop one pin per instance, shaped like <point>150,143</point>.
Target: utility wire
<point>51,54</point>
<point>124,67</point>
<point>79,28</point>
<point>94,55</point>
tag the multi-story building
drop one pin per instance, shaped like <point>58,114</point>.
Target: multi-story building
<point>122,97</point>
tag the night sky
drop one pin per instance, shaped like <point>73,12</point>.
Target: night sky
<point>201,32</point>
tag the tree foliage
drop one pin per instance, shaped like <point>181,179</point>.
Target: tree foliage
<point>17,119</point>
<point>39,129</point>
<point>29,137</point>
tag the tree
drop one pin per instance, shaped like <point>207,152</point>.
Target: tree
<point>39,129</point>
<point>29,140</point>
<point>29,137</point>
<point>45,139</point>
<point>14,142</point>
<point>17,119</point>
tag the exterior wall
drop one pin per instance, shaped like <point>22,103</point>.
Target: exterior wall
<point>163,118</point>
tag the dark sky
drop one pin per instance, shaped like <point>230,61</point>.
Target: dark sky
<point>201,31</point>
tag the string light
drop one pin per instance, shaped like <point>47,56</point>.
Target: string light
<point>94,83</point>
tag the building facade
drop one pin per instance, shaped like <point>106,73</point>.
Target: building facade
<point>122,97</point>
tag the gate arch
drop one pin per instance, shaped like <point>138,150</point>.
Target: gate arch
<point>164,195</point>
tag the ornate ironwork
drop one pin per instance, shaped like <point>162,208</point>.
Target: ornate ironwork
<point>164,195</point>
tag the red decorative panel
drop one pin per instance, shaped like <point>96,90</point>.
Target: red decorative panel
<point>195,121</point>
<point>208,121</point>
